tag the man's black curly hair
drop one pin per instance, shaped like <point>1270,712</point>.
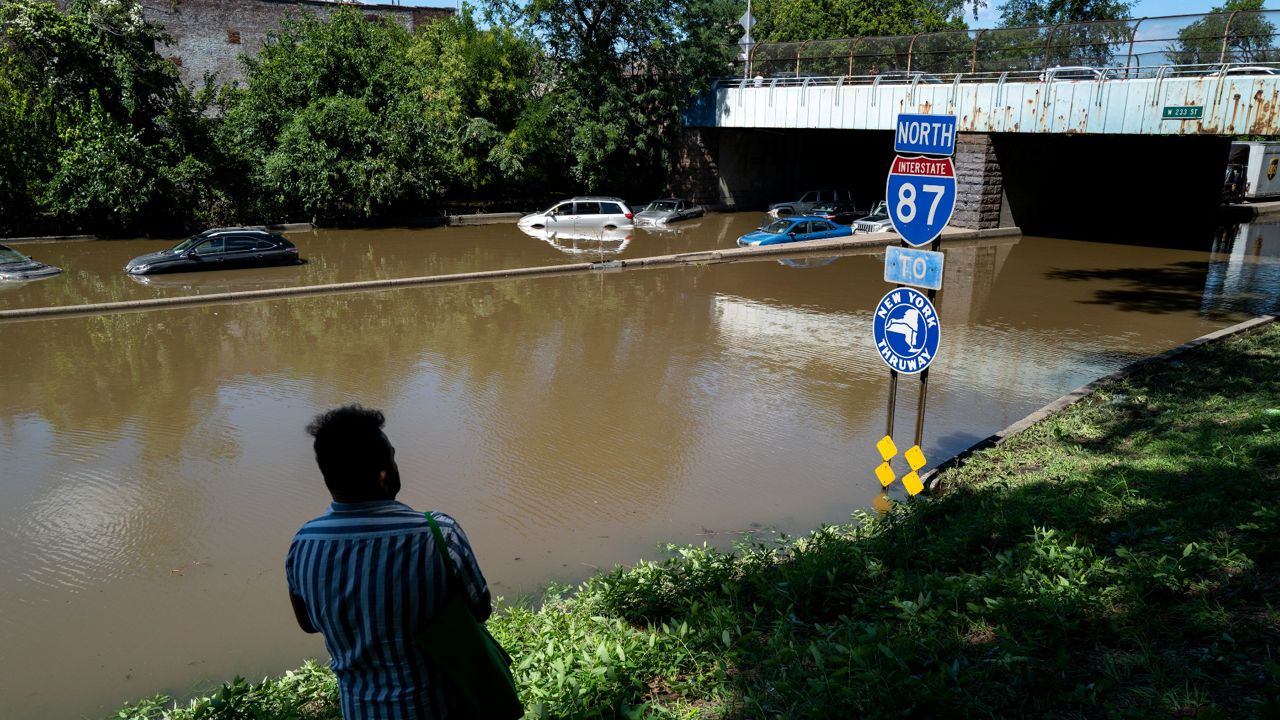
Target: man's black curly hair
<point>350,448</point>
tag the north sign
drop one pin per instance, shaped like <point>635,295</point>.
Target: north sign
<point>921,193</point>
<point>906,330</point>
<point>925,135</point>
<point>908,266</point>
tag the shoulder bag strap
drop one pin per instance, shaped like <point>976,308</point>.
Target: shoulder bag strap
<point>441,547</point>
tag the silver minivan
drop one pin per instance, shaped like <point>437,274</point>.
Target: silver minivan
<point>581,213</point>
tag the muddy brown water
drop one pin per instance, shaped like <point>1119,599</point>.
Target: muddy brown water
<point>155,467</point>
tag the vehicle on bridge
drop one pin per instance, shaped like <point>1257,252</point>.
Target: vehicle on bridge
<point>794,229</point>
<point>668,210</point>
<point>1079,72</point>
<point>581,213</point>
<point>219,249</point>
<point>808,200</point>
<point>1245,70</point>
<point>16,266</point>
<point>877,221</point>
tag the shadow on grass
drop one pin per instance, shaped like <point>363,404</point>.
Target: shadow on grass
<point>1118,560</point>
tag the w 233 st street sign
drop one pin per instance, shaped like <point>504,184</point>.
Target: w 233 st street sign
<point>921,193</point>
<point>906,331</point>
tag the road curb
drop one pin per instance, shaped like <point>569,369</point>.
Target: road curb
<point>931,480</point>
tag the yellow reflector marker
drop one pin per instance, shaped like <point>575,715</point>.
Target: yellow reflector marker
<point>887,448</point>
<point>911,482</point>
<point>885,474</point>
<point>914,457</point>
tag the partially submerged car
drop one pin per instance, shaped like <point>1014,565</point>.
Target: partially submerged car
<point>877,221</point>
<point>581,212</point>
<point>219,249</point>
<point>808,200</point>
<point>794,229</point>
<point>16,266</point>
<point>668,210</point>
<point>843,213</point>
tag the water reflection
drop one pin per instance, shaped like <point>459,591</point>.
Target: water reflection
<point>600,241</point>
<point>155,465</point>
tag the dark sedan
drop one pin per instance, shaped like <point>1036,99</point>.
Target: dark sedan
<point>220,249</point>
<point>16,266</point>
<point>842,213</point>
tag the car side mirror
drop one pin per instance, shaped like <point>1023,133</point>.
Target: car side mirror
<point>190,254</point>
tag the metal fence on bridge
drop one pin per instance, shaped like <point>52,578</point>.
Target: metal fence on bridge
<point>1130,48</point>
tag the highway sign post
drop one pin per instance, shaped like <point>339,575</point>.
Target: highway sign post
<point>921,193</point>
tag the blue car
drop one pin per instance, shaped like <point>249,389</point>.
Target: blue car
<point>794,229</point>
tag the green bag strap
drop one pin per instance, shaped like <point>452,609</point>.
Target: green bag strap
<point>440,545</point>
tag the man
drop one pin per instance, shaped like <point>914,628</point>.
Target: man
<point>367,575</point>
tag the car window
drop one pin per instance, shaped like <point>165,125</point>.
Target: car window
<point>211,247</point>
<point>587,208</point>
<point>608,208</point>
<point>9,255</point>
<point>822,226</point>
<point>264,245</point>
<point>810,196</point>
<point>777,227</point>
<point>241,244</point>
<point>562,209</point>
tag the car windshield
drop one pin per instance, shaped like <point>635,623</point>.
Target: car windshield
<point>8,256</point>
<point>661,205</point>
<point>187,244</point>
<point>777,227</point>
<point>881,212</point>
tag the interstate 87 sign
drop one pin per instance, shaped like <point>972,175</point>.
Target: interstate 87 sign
<point>921,194</point>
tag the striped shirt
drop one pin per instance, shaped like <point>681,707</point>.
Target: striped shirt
<point>370,576</point>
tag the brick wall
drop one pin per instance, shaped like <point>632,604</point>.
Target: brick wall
<point>210,35</point>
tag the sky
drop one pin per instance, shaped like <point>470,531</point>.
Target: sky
<point>990,16</point>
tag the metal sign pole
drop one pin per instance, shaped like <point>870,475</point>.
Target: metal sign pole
<point>924,375</point>
<point>893,401</point>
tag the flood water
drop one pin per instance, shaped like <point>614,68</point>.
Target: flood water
<point>155,466</point>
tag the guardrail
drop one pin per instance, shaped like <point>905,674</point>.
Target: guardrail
<point>917,78</point>
<point>1211,39</point>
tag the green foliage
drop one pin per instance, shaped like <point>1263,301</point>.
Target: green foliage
<point>620,74</point>
<point>309,693</point>
<point>1251,37</point>
<point>328,124</point>
<point>92,119</point>
<point>799,20</point>
<point>1022,13</point>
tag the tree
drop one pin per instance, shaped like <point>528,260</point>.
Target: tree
<point>330,123</point>
<point>800,20</point>
<point>1023,13</point>
<point>1251,37</point>
<point>620,74</point>
<point>92,119</point>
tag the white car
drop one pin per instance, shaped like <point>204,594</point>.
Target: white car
<point>1079,72</point>
<point>877,221</point>
<point>581,213</point>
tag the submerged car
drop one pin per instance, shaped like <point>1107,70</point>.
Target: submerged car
<point>581,213</point>
<point>668,210</point>
<point>219,249</point>
<point>877,221</point>
<point>794,229</point>
<point>16,266</point>
<point>808,200</point>
<point>843,213</point>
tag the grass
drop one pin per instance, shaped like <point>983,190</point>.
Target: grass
<point>1118,560</point>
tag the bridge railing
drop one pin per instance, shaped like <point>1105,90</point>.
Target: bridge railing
<point>1125,47</point>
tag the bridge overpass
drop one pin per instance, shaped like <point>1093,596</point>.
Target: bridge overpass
<point>1051,119</point>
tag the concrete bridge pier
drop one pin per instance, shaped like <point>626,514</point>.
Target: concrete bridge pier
<point>981,201</point>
